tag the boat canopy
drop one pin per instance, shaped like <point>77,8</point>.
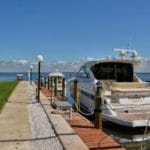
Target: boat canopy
<point>56,74</point>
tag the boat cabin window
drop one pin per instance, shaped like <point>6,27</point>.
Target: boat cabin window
<point>121,72</point>
<point>83,72</point>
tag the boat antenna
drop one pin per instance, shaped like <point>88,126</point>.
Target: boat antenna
<point>129,43</point>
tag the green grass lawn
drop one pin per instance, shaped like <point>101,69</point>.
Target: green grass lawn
<point>6,88</point>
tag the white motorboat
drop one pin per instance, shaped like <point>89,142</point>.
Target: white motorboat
<point>126,98</point>
<point>56,78</point>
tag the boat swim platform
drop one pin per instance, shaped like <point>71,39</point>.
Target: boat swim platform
<point>93,138</point>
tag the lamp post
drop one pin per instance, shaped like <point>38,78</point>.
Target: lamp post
<point>31,75</point>
<point>39,60</point>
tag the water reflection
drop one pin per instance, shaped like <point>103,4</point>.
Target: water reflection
<point>130,138</point>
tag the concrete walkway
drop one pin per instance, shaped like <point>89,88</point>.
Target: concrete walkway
<point>15,130</point>
<point>14,125</point>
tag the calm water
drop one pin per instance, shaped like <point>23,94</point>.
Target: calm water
<point>128,137</point>
<point>12,75</point>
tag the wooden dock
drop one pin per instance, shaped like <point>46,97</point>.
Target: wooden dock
<point>95,139</point>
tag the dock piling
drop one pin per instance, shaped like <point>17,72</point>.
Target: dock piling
<point>48,83</point>
<point>76,97</point>
<point>63,88</point>
<point>45,82</point>
<point>98,107</point>
<point>55,86</point>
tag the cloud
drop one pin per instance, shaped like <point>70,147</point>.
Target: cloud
<point>13,65</point>
<point>23,62</point>
<point>62,65</point>
<point>143,66</point>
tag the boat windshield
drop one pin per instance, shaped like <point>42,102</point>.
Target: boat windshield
<point>120,72</point>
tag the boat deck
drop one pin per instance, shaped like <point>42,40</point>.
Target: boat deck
<point>129,115</point>
<point>133,116</point>
<point>133,112</point>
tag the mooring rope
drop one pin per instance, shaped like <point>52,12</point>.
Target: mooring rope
<point>80,111</point>
<point>145,132</point>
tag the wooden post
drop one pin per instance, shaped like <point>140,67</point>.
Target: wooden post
<point>36,93</point>
<point>76,95</point>
<point>55,86</point>
<point>51,84</point>
<point>48,83</point>
<point>63,88</point>
<point>51,88</point>
<point>98,107</point>
<point>41,81</point>
<point>45,82</point>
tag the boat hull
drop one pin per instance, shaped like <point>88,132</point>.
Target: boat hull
<point>128,123</point>
<point>126,119</point>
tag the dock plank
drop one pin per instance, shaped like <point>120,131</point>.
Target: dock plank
<point>92,137</point>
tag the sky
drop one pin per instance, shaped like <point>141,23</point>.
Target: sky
<point>68,30</point>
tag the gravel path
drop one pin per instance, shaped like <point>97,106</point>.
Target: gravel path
<point>43,134</point>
